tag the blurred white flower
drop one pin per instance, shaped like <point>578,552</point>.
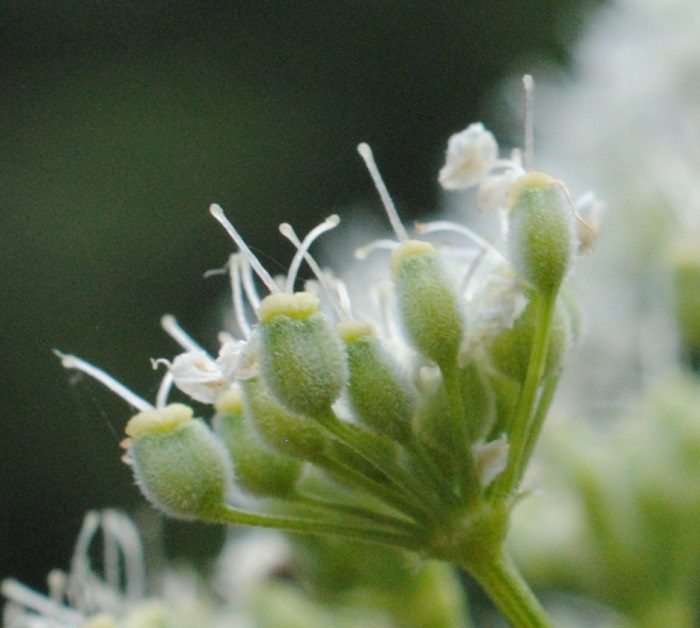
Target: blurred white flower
<point>83,597</point>
<point>471,154</point>
<point>628,122</point>
<point>198,376</point>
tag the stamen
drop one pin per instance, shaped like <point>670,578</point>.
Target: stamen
<point>365,250</point>
<point>110,555</point>
<point>341,291</point>
<point>303,247</point>
<point>121,533</point>
<point>338,291</point>
<point>80,563</point>
<point>237,295</point>
<point>288,232</point>
<point>579,219</point>
<point>471,272</point>
<point>389,207</point>
<point>384,292</point>
<point>73,362</point>
<point>164,389</point>
<point>26,597</point>
<point>249,288</point>
<point>445,225</point>
<point>178,334</point>
<point>213,272</point>
<point>56,582</point>
<point>218,213</point>
<point>224,336</point>
<point>529,141</point>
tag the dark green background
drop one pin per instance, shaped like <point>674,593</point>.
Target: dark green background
<point>121,121</point>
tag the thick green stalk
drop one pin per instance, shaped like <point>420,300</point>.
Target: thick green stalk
<point>474,539</point>
<point>504,585</point>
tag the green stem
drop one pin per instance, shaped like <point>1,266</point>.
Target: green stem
<point>507,589</point>
<point>468,479</point>
<point>362,515</point>
<point>233,516</point>
<point>533,434</point>
<point>430,473</point>
<point>361,443</point>
<point>520,423</point>
<point>385,493</point>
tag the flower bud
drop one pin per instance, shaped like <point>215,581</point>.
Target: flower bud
<point>284,432</point>
<point>541,231</point>
<point>259,470</point>
<point>179,465</point>
<point>301,358</point>
<point>381,399</point>
<point>428,303</point>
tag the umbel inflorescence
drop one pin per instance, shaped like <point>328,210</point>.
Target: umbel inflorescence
<point>413,431</point>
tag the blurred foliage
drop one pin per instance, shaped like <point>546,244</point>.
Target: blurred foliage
<point>616,516</point>
<point>121,122</point>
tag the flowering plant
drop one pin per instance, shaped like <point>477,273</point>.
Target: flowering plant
<point>411,432</point>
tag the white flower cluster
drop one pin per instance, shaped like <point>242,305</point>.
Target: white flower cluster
<point>117,597</point>
<point>412,431</point>
<point>494,296</point>
<point>491,292</point>
<point>628,120</point>
<point>82,598</point>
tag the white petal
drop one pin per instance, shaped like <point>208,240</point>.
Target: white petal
<point>229,360</point>
<point>198,376</point>
<point>494,190</point>
<point>490,459</point>
<point>471,154</point>
<point>495,299</point>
